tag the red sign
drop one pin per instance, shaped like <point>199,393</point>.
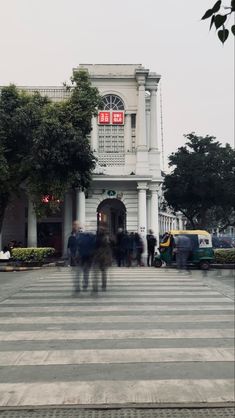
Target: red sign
<point>104,118</point>
<point>117,118</point>
<point>49,198</point>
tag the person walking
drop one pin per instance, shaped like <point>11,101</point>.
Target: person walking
<point>183,247</point>
<point>139,248</point>
<point>72,248</point>
<point>120,238</point>
<point>102,260</point>
<point>85,250</point>
<point>151,243</point>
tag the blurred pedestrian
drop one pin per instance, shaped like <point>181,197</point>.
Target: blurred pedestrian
<point>85,251</point>
<point>183,247</point>
<point>130,251</point>
<point>139,248</point>
<point>72,248</point>
<point>151,243</point>
<point>102,259</point>
<point>120,251</point>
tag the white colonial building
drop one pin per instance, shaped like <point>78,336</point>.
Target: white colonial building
<point>126,181</point>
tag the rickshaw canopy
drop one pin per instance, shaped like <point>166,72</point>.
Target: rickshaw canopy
<point>190,232</point>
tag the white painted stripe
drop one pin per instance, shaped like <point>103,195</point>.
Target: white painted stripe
<point>117,392</point>
<point>127,288</point>
<point>120,293</point>
<point>119,308</point>
<point>107,356</point>
<point>114,334</point>
<point>87,299</point>
<point>117,319</point>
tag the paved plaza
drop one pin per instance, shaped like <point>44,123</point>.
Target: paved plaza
<point>155,337</point>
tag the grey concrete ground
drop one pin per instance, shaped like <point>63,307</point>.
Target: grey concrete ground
<point>154,337</point>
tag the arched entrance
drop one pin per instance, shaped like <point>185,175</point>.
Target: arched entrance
<point>111,214</point>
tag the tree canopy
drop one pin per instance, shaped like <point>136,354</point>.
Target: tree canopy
<point>201,184</point>
<point>43,145</point>
<point>221,19</point>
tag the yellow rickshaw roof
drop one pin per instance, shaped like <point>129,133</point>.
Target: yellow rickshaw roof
<point>193,232</point>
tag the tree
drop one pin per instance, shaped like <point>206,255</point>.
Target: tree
<point>61,157</point>
<point>201,185</point>
<point>219,20</point>
<point>44,145</point>
<point>20,115</point>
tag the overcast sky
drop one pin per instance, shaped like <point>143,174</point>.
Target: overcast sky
<point>42,40</point>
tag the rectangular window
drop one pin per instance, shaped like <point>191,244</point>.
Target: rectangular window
<point>133,121</point>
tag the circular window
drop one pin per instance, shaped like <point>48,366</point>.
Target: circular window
<point>112,102</point>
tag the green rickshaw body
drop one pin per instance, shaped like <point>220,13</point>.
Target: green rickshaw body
<point>201,255</point>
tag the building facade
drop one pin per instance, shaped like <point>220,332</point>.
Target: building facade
<point>127,178</point>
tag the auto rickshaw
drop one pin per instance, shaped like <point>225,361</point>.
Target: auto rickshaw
<point>201,254</point>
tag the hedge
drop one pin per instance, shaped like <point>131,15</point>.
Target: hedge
<point>225,256</point>
<point>31,254</point>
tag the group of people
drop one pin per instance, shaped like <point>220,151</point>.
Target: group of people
<point>127,248</point>
<point>86,251</point>
<point>96,252</point>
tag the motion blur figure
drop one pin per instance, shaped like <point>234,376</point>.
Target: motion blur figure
<point>120,249</point>
<point>151,243</point>
<point>139,248</point>
<point>102,260</point>
<point>183,247</point>
<point>72,248</point>
<point>85,249</point>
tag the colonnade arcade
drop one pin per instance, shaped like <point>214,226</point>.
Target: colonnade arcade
<point>147,213</point>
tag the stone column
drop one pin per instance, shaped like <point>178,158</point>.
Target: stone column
<point>94,134</point>
<point>180,221</point>
<point>32,225</point>
<point>153,119</point>
<point>80,207</point>
<point>68,219</point>
<point>148,120</point>
<point>154,214</point>
<point>128,139</point>
<point>142,210</point>
<point>141,116</point>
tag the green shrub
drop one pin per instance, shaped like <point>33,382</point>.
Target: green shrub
<point>32,254</point>
<point>225,256</point>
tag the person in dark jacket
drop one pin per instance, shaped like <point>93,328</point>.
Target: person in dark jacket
<point>85,249</point>
<point>183,246</point>
<point>120,238</point>
<point>139,248</point>
<point>72,248</point>
<point>102,259</point>
<point>151,243</point>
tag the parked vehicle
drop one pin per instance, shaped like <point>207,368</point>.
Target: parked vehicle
<point>223,242</point>
<point>201,254</point>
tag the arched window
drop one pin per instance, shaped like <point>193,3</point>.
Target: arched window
<point>112,102</point>
<point>111,150</point>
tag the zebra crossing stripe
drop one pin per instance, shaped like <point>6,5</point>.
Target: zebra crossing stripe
<point>59,357</point>
<point>115,334</point>
<point>117,392</point>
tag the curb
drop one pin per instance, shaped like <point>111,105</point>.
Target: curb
<point>14,268</point>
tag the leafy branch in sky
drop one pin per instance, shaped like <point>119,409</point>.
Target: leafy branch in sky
<point>220,20</point>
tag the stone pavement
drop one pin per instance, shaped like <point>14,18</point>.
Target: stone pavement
<point>155,337</point>
<point>121,413</point>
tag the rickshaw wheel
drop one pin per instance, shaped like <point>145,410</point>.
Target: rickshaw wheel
<point>157,263</point>
<point>204,265</point>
